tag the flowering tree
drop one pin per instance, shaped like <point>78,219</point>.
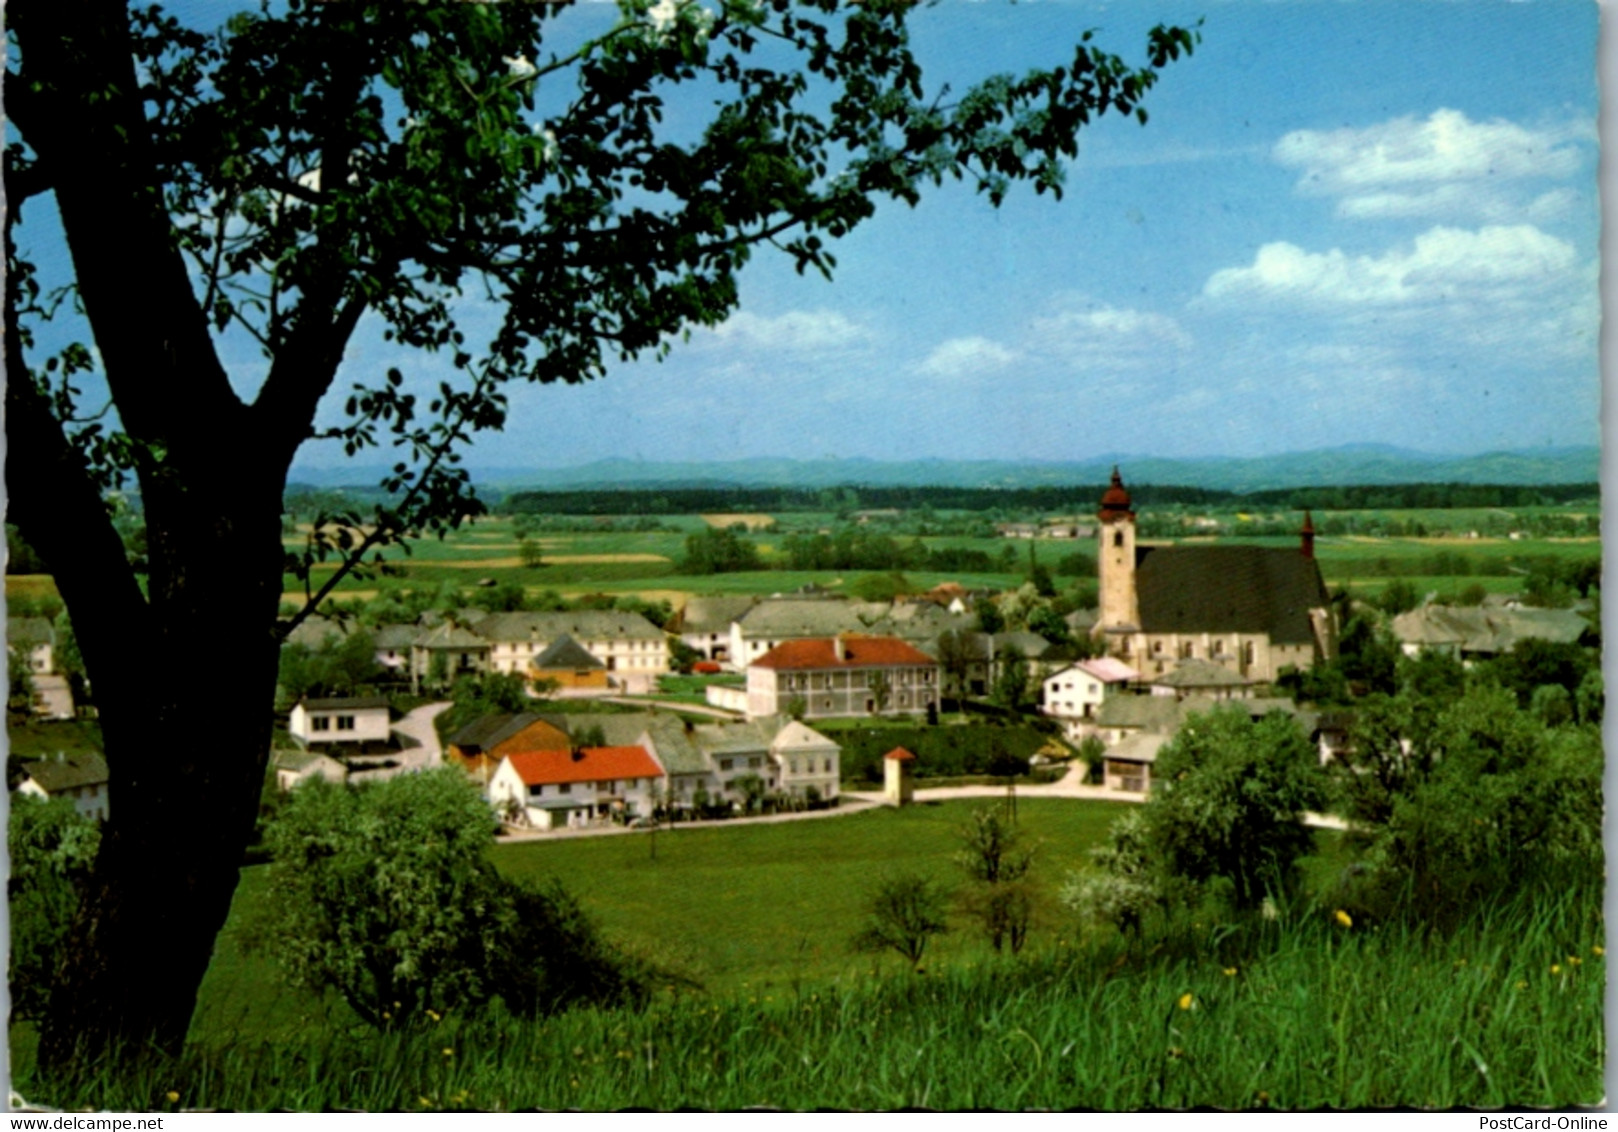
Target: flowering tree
<point>264,188</point>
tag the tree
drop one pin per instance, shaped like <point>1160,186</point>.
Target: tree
<point>1228,799</point>
<point>1011,683</point>
<point>312,169</point>
<point>954,662</point>
<point>530,553</point>
<point>904,912</point>
<point>19,684</point>
<point>385,895</point>
<point>994,858</point>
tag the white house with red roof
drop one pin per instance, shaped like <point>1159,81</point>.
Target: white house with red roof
<point>846,675</point>
<point>557,789</point>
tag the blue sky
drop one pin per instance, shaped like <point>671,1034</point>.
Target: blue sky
<point>1344,223</point>
<point>1366,222</point>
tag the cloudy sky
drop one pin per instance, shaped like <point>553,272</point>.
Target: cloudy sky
<point>1344,223</point>
<point>1366,222</point>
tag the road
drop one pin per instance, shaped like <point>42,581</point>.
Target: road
<point>421,749</point>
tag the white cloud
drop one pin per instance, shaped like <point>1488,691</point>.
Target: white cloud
<point>966,358</point>
<point>1495,262</point>
<point>796,331</point>
<point>1445,165</point>
<point>1107,337</point>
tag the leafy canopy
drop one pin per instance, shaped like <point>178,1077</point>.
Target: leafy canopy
<point>520,193</point>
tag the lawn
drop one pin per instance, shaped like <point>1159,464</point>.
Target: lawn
<point>763,906</point>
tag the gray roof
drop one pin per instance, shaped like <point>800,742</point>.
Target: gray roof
<point>395,636</point>
<point>313,631</point>
<point>64,772</point>
<point>733,738</point>
<point>796,736</point>
<point>1142,748</point>
<point>1485,630</point>
<point>796,618</point>
<point>1194,673</point>
<point>491,730</point>
<point>1147,713</point>
<point>565,652</point>
<point>350,703</point>
<point>580,624</point>
<point>1229,589</point>
<point>450,636</point>
<point>713,614</point>
<point>674,747</point>
<point>30,631</point>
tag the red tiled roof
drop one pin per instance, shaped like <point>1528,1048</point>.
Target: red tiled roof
<point>596,764</point>
<point>900,755</point>
<point>858,652</point>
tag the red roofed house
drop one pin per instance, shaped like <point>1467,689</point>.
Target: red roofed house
<point>845,675</point>
<point>556,789</point>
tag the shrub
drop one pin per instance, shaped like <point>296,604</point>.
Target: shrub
<point>52,847</point>
<point>384,895</point>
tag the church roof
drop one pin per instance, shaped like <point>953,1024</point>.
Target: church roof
<point>1229,589</point>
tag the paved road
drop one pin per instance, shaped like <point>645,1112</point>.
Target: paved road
<point>847,804</point>
<point>421,748</point>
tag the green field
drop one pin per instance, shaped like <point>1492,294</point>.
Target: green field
<point>748,909</point>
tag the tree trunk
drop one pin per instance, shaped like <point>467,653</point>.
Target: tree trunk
<point>186,759</point>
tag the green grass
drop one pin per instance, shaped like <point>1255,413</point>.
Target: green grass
<point>770,906</point>
<point>1300,1014</point>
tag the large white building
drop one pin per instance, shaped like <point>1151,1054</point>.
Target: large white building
<point>554,789</point>
<point>845,675</point>
<point>633,650</point>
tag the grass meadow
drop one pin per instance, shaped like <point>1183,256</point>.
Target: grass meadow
<point>1303,1012</point>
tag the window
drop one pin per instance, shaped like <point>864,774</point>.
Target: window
<point>565,788</point>
<point>753,764</point>
<point>320,723</point>
<point>345,723</point>
<point>1118,538</point>
<point>726,764</point>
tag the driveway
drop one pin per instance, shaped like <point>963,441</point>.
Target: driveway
<point>418,740</point>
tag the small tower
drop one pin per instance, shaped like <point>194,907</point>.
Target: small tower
<point>1115,560</point>
<point>1307,535</point>
<point>896,777</point>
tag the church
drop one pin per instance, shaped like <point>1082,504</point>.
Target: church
<point>1251,609</point>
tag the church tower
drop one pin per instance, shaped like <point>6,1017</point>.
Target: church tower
<point>1116,560</point>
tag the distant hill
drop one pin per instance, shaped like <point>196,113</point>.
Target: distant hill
<point>1349,464</point>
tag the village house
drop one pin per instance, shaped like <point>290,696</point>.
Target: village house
<point>569,670</point>
<point>632,650</point>
<point>1251,609</point>
<point>360,722</point>
<point>1073,694</point>
<point>1201,678</point>
<point>479,746</point>
<point>1471,633</point>
<point>34,639</point>
<point>551,789</point>
<point>844,675</point>
<point>81,777</point>
<point>445,652</point>
<point>294,767</point>
<point>704,623</point>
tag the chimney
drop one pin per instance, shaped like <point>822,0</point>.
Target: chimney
<point>1308,536</point>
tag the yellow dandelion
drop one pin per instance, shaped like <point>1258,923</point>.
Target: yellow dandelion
<point>448,1052</point>
<point>1556,968</point>
<point>1230,972</point>
<point>1598,951</point>
<point>1574,960</point>
<point>1343,918</point>
<point>435,1015</point>
<point>1522,984</point>
<point>172,1095</point>
<point>425,1102</point>
<point>1263,1097</point>
<point>1186,1000</point>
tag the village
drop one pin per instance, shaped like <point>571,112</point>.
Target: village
<point>1178,630</point>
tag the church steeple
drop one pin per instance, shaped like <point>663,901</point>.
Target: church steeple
<point>1115,559</point>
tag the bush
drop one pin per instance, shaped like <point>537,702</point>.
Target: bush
<point>52,848</point>
<point>385,895</point>
<point>905,912</point>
